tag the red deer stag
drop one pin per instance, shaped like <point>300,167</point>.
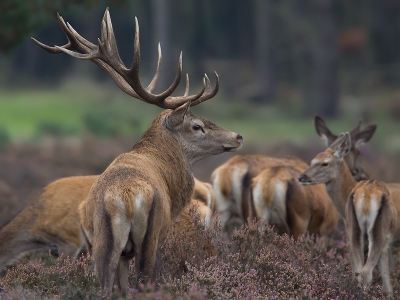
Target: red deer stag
<point>51,221</point>
<point>132,204</point>
<point>367,207</point>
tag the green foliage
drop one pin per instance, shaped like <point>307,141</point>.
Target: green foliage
<point>20,18</point>
<point>17,21</point>
<point>54,129</point>
<point>5,138</point>
<point>109,123</point>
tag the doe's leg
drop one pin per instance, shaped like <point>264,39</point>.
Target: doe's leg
<point>385,269</point>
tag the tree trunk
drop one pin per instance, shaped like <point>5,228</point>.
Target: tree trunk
<point>326,56</point>
<point>161,34</point>
<point>264,61</point>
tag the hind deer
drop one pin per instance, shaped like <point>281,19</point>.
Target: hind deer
<point>204,199</point>
<point>367,207</point>
<point>131,205</point>
<point>232,181</point>
<point>51,221</point>
<point>291,208</point>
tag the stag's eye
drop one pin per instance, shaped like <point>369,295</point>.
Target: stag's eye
<point>196,127</point>
<point>324,164</point>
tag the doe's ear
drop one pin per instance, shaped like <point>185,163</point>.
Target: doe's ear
<point>342,145</point>
<point>364,136</point>
<point>323,131</point>
<point>178,114</point>
<point>356,130</point>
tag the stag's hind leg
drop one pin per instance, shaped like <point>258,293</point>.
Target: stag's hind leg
<point>110,238</point>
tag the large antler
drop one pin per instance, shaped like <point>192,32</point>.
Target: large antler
<point>106,55</point>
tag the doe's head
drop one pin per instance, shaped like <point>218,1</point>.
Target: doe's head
<point>325,167</point>
<point>358,137</point>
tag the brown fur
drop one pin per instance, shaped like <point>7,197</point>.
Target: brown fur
<point>367,208</point>
<point>204,198</point>
<point>371,217</point>
<point>232,180</point>
<point>158,170</point>
<point>52,221</point>
<point>291,208</point>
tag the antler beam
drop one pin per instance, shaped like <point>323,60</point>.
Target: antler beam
<point>106,55</point>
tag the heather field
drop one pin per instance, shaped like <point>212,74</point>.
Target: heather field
<point>204,264</point>
<point>48,134</point>
<point>254,263</point>
<point>279,64</point>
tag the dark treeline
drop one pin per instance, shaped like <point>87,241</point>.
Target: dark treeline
<point>321,47</point>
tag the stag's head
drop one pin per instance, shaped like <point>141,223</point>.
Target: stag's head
<point>353,158</point>
<point>197,136</point>
<point>200,137</point>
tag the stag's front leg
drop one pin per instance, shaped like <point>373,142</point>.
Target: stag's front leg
<point>146,263</point>
<point>122,275</point>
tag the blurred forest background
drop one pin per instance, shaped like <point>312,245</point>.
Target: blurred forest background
<point>281,62</point>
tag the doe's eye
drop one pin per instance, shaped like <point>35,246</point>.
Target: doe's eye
<point>324,164</point>
<point>196,127</point>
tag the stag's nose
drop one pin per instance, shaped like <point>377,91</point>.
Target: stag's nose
<point>239,138</point>
<point>302,178</point>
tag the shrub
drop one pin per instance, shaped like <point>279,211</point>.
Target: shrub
<point>53,129</point>
<point>106,123</point>
<point>73,279</point>
<point>5,138</point>
<point>204,264</point>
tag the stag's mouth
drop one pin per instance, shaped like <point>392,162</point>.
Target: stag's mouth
<point>239,143</point>
<point>230,149</point>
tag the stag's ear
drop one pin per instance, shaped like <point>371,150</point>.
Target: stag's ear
<point>364,136</point>
<point>342,145</point>
<point>178,115</point>
<point>323,131</point>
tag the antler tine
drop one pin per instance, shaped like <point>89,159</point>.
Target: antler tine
<point>154,81</point>
<point>210,93</point>
<point>133,78</point>
<point>187,86</point>
<point>55,50</point>
<point>106,55</point>
<point>174,102</point>
<point>74,40</point>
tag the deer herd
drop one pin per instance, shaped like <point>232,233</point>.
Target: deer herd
<point>126,211</point>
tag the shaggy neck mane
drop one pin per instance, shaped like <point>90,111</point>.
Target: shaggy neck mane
<point>166,155</point>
